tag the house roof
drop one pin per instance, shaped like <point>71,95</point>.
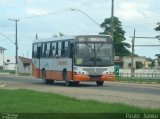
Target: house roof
<point>1,48</point>
<point>25,60</point>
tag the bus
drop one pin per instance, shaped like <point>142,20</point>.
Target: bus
<point>73,59</point>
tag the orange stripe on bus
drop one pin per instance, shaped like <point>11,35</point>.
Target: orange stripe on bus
<point>80,77</point>
<point>57,75</point>
<point>109,77</point>
<point>35,71</point>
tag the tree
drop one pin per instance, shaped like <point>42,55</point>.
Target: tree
<point>152,62</point>
<point>61,34</point>
<point>158,58</point>
<point>118,36</point>
<point>158,29</point>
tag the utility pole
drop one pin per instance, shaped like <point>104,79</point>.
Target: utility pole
<point>112,18</point>
<point>132,57</point>
<point>16,43</point>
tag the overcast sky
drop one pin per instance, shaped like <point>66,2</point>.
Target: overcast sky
<point>49,17</point>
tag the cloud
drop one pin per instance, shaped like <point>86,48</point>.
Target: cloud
<point>30,0</point>
<point>36,11</point>
<point>129,11</point>
<point>5,1</point>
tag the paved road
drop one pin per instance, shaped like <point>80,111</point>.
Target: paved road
<point>143,95</point>
<point>89,85</point>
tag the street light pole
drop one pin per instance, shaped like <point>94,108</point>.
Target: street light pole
<point>112,18</point>
<point>132,57</point>
<point>16,43</point>
<point>86,15</point>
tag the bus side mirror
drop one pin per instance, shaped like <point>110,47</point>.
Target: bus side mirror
<point>38,52</point>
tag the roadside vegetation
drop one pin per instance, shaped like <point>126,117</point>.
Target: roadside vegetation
<point>13,72</point>
<point>25,101</point>
<point>137,80</point>
<point>7,71</point>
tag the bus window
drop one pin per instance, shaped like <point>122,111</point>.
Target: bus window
<point>43,50</point>
<point>53,49</point>
<point>65,49</point>
<point>48,45</point>
<point>34,50</point>
<point>59,48</point>
<point>71,50</point>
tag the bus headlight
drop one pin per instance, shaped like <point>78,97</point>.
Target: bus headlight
<point>80,72</point>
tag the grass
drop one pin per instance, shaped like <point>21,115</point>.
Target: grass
<point>27,101</point>
<point>137,80</point>
<point>7,71</point>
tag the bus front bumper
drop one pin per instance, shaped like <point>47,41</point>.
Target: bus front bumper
<point>82,77</point>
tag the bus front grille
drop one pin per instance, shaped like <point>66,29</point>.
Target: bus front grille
<point>94,71</point>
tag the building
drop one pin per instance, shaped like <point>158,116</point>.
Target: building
<point>24,65</point>
<point>2,58</point>
<point>9,63</point>
<point>124,62</point>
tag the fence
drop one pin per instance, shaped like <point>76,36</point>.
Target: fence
<point>147,73</point>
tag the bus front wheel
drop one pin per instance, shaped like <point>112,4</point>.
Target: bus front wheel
<point>44,76</point>
<point>99,83</point>
<point>46,81</point>
<point>65,78</point>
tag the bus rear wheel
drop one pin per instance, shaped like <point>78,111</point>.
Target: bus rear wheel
<point>76,83</point>
<point>51,82</point>
<point>99,83</point>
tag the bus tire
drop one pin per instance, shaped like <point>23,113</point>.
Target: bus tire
<point>51,82</point>
<point>45,81</point>
<point>76,83</point>
<point>65,78</point>
<point>99,83</point>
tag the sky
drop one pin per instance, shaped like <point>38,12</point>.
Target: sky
<point>49,17</point>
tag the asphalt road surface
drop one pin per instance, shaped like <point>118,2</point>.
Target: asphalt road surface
<point>142,95</point>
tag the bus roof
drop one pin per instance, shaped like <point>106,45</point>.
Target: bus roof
<point>61,38</point>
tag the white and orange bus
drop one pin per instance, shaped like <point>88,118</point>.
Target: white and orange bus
<point>74,59</point>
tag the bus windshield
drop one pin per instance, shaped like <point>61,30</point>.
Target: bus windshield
<point>94,54</point>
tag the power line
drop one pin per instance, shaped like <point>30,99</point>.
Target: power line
<point>6,37</point>
<point>144,37</point>
<point>42,15</point>
<point>85,4</point>
<point>147,45</point>
<point>52,13</point>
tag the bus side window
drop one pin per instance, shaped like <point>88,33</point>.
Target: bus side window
<point>38,52</point>
<point>59,48</point>
<point>53,49</point>
<point>43,50</point>
<point>56,49</point>
<point>62,50</point>
<point>71,51</point>
<point>34,53</point>
<point>48,45</point>
<point>65,48</point>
